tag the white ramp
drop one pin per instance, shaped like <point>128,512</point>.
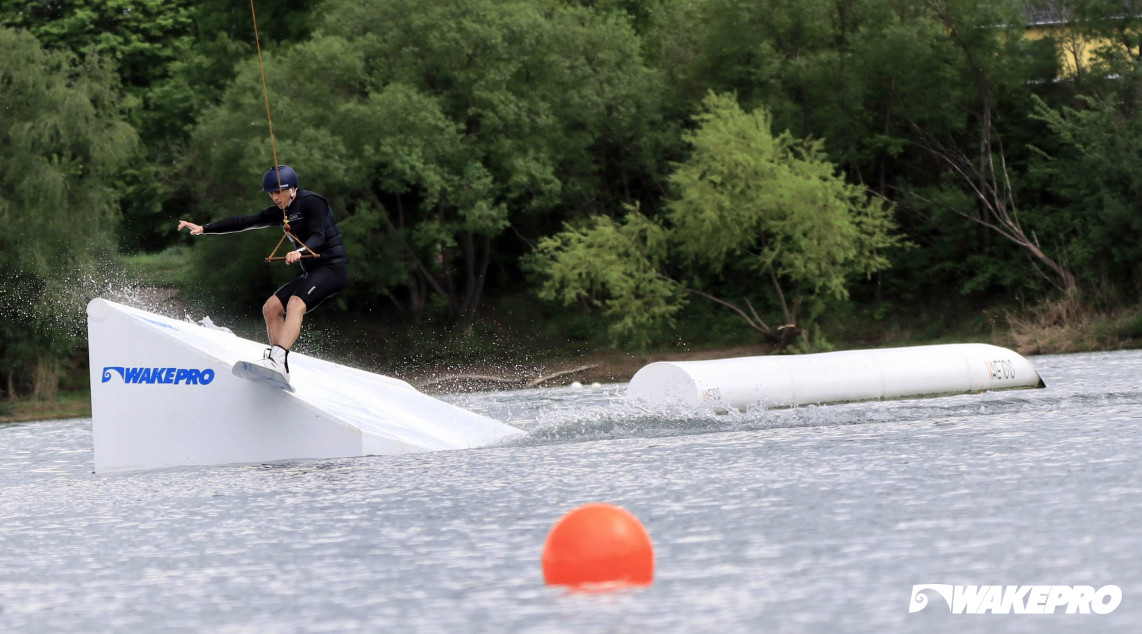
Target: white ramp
<point>833,377</point>
<point>162,395</point>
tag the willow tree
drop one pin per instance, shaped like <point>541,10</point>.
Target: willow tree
<point>761,224</point>
<point>63,141</point>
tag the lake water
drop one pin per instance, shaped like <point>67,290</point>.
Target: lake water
<point>815,519</point>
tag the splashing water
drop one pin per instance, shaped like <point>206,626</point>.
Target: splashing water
<point>57,307</point>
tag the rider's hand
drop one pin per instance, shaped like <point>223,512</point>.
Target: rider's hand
<point>292,257</point>
<point>195,230</point>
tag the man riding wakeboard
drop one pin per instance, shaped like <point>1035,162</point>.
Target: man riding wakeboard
<point>308,222</point>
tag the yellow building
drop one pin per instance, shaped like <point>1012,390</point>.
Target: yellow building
<point>1075,43</point>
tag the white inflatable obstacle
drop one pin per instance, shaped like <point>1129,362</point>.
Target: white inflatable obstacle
<point>162,394</point>
<point>833,377</point>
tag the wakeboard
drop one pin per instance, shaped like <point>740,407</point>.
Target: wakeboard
<point>261,374</point>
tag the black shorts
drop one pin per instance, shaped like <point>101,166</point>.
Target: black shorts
<point>315,286</point>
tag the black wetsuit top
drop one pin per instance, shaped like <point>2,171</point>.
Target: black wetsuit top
<point>310,219</point>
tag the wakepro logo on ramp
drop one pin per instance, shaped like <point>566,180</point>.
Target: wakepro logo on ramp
<point>163,376</point>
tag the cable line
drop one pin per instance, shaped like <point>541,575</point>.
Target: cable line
<point>273,257</point>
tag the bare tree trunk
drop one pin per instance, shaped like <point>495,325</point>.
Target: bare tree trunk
<point>982,168</point>
<point>45,379</point>
<point>882,166</point>
<point>422,279</point>
<point>478,258</point>
<point>781,295</point>
<point>417,298</point>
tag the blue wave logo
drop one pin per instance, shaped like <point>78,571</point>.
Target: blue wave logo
<point>161,376</point>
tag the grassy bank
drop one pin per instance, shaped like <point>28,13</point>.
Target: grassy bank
<point>75,404</point>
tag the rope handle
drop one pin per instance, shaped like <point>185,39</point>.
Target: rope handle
<point>273,257</point>
<point>282,259</point>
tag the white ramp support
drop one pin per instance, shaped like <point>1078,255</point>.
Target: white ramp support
<point>834,377</point>
<point>162,395</point>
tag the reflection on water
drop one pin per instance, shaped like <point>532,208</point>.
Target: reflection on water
<point>816,519</point>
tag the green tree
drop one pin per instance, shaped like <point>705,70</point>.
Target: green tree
<point>214,36</point>
<point>614,265</point>
<point>64,141</point>
<point>759,209</point>
<point>437,125</point>
<point>984,159</point>
<point>1088,167</point>
<point>141,37</point>
<point>174,57</point>
<point>1095,174</point>
<point>899,90</point>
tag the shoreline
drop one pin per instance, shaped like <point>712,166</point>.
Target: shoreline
<point>599,367</point>
<point>604,367</point>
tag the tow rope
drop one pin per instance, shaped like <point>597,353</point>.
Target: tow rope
<point>273,257</point>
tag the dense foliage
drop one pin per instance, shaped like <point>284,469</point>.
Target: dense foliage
<point>774,158</point>
<point>62,142</point>
<point>768,212</point>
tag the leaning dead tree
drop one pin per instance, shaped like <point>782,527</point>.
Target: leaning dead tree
<point>987,178</point>
<point>984,172</point>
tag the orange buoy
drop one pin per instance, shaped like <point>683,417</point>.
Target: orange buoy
<point>598,544</point>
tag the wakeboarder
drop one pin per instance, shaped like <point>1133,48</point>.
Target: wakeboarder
<point>307,221</point>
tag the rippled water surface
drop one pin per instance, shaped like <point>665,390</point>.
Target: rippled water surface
<point>816,519</point>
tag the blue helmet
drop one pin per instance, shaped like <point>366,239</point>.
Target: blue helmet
<point>282,174</point>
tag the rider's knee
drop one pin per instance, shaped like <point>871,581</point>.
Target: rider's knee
<point>272,308</point>
<point>296,305</point>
